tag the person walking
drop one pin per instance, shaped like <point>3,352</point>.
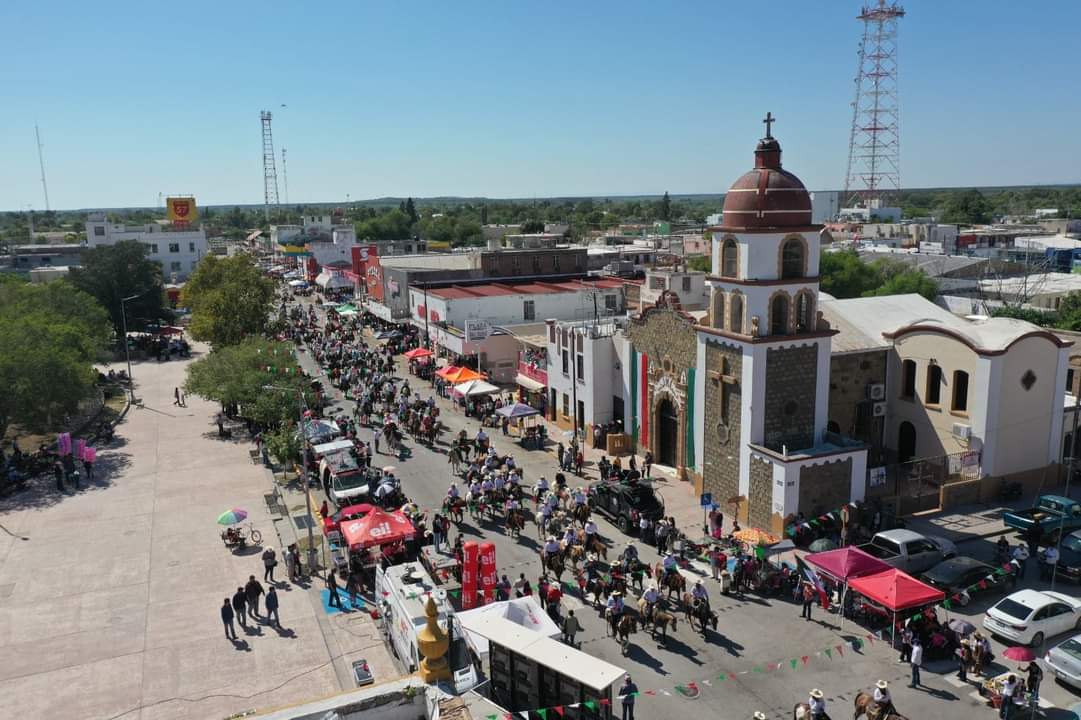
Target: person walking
<point>906,645</point>
<point>1021,555</point>
<point>240,604</point>
<point>176,397</point>
<point>252,591</point>
<point>270,561</point>
<point>352,586</point>
<point>1009,691</point>
<point>916,660</point>
<point>272,607</point>
<point>58,473</point>
<point>571,626</point>
<point>334,600</point>
<point>808,599</point>
<point>227,620</point>
<point>88,468</point>
<point>647,464</point>
<point>627,692</point>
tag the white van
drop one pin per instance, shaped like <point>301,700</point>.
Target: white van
<point>403,591</point>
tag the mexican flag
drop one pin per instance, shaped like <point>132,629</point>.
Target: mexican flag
<point>640,397</point>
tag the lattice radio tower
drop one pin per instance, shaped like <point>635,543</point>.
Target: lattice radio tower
<point>874,145</point>
<point>270,173</point>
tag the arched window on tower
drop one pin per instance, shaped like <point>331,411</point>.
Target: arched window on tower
<point>792,259</point>
<point>778,315</point>
<point>804,312</point>
<point>729,258</point>
<point>735,313</point>
<point>718,308</point>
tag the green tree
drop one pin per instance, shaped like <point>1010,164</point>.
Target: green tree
<point>229,299</point>
<point>700,262</point>
<point>110,273</point>
<point>259,375</point>
<point>844,275</point>
<point>1069,312</point>
<point>411,211</point>
<point>532,226</point>
<point>967,208</point>
<point>905,282</point>
<point>50,336</point>
<point>484,214</point>
<point>1036,317</point>
<point>666,207</point>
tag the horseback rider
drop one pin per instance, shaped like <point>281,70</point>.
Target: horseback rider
<point>545,516</point>
<point>540,490</point>
<point>628,559</point>
<point>452,492</point>
<point>615,606</point>
<point>591,533</point>
<point>699,593</point>
<point>650,596</point>
<point>579,497</point>
<point>669,564</point>
<point>884,700</point>
<point>817,703</point>
<point>550,550</point>
<point>570,537</point>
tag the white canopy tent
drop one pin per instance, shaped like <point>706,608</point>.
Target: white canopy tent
<point>331,281</point>
<point>471,388</point>
<point>525,611</point>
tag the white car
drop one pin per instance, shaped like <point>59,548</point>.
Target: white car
<point>1027,617</point>
<point>1065,661</point>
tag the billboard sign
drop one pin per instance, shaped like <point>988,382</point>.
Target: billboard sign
<point>477,330</point>
<point>181,210</point>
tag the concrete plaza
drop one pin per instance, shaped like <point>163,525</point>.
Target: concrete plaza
<point>110,595</point>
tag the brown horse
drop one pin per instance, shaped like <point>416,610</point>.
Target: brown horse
<point>662,619</point>
<point>515,523</point>
<point>581,514</point>
<point>865,704</point>
<point>627,626</point>
<point>556,566</point>
<point>597,546</point>
<point>675,583</point>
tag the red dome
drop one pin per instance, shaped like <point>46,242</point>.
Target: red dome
<point>767,198</point>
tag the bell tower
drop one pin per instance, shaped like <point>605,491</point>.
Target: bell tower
<point>766,353</point>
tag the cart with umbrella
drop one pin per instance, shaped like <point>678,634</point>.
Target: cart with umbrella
<point>234,537</point>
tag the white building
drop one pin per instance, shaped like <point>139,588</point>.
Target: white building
<point>825,206</point>
<point>583,374</point>
<point>688,285</point>
<point>177,251</point>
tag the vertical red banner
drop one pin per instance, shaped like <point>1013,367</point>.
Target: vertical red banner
<point>469,574</point>
<point>488,575</point>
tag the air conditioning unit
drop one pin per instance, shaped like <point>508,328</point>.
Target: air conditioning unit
<point>961,431</point>
<point>878,409</point>
<point>876,391</point>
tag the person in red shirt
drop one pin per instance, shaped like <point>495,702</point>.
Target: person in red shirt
<point>553,598</point>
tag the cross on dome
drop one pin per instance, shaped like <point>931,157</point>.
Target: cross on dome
<point>769,120</point>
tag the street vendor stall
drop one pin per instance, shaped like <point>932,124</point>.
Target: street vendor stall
<point>377,533</point>
<point>844,565</point>
<point>895,591</point>
<point>418,353</point>
<point>518,412</point>
<point>474,388</point>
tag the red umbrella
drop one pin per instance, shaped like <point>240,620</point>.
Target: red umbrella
<point>1020,654</point>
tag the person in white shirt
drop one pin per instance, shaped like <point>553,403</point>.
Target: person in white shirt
<point>817,703</point>
<point>579,497</point>
<point>452,491</point>
<point>570,537</point>
<point>542,487</point>
<point>1009,692</point>
<point>698,592</point>
<point>883,699</point>
<point>669,563</point>
<point>1050,560</point>
<point>916,660</point>
<point>551,549</point>
<point>591,533</point>
<point>650,598</point>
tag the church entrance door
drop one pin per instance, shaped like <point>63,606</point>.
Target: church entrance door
<point>667,433</point>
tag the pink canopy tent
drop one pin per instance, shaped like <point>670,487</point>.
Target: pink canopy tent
<point>377,528</point>
<point>896,590</point>
<point>845,564</point>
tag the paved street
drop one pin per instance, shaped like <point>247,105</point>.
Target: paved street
<point>754,636</point>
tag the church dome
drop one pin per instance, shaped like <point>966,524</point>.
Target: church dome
<point>767,198</point>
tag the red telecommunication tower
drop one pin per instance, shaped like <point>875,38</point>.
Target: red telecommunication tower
<point>874,145</point>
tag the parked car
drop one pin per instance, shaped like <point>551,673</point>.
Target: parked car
<point>962,576</point>
<point>349,512</point>
<point>1051,512</point>
<point>1064,660</point>
<point>1069,557</point>
<point>1028,617</point>
<point>343,476</point>
<point>909,551</point>
<point>625,503</point>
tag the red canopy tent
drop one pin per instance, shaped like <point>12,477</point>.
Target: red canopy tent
<point>377,528</point>
<point>845,564</point>
<point>896,590</point>
<point>417,353</point>
<point>448,371</point>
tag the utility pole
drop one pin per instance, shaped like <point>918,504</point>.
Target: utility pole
<point>41,164</point>
<point>427,336</point>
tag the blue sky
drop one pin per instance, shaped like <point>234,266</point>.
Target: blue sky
<point>513,99</point>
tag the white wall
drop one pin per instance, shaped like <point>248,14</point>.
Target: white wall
<point>177,252</point>
<point>509,309</point>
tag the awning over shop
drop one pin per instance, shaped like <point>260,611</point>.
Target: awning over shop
<point>333,281</point>
<point>896,590</point>
<point>529,383</point>
<point>845,564</point>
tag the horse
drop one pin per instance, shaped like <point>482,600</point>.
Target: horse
<point>699,610</point>
<point>515,523</point>
<point>662,619</point>
<point>600,591</point>
<point>555,565</point>
<point>453,509</point>
<point>674,582</point>
<point>627,626</point>
<point>865,704</point>
<point>580,513</point>
<point>597,546</point>
<point>645,611</point>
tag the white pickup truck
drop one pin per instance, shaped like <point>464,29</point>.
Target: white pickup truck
<point>909,551</point>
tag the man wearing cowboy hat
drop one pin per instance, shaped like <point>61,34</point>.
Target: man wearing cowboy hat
<point>817,703</point>
<point>883,699</point>
<point>759,715</point>
<point>650,596</point>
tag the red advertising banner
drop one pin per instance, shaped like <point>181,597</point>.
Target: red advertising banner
<point>366,264</point>
<point>488,575</point>
<point>469,575</point>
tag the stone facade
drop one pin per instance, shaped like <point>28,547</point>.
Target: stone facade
<point>669,340</point>
<point>790,397</point>
<point>850,408</point>
<point>824,487</point>
<point>760,495</point>
<point>722,423</point>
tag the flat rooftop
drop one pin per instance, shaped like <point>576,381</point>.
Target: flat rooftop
<point>463,292</point>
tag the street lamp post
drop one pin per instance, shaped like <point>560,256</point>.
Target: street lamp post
<point>127,349</point>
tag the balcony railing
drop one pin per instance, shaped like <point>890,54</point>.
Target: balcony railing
<point>532,373</point>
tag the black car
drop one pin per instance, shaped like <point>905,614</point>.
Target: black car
<point>625,503</point>
<point>1069,558</point>
<point>963,575</point>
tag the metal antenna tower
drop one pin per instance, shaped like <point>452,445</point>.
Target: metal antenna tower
<point>41,164</point>
<point>270,173</point>
<point>285,179</point>
<point>874,147</point>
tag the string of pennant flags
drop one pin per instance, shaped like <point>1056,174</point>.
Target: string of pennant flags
<point>692,688</point>
<point>832,516</point>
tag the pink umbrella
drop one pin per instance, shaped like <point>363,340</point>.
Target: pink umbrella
<point>1020,654</point>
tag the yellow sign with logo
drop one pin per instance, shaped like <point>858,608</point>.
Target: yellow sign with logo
<point>182,210</point>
